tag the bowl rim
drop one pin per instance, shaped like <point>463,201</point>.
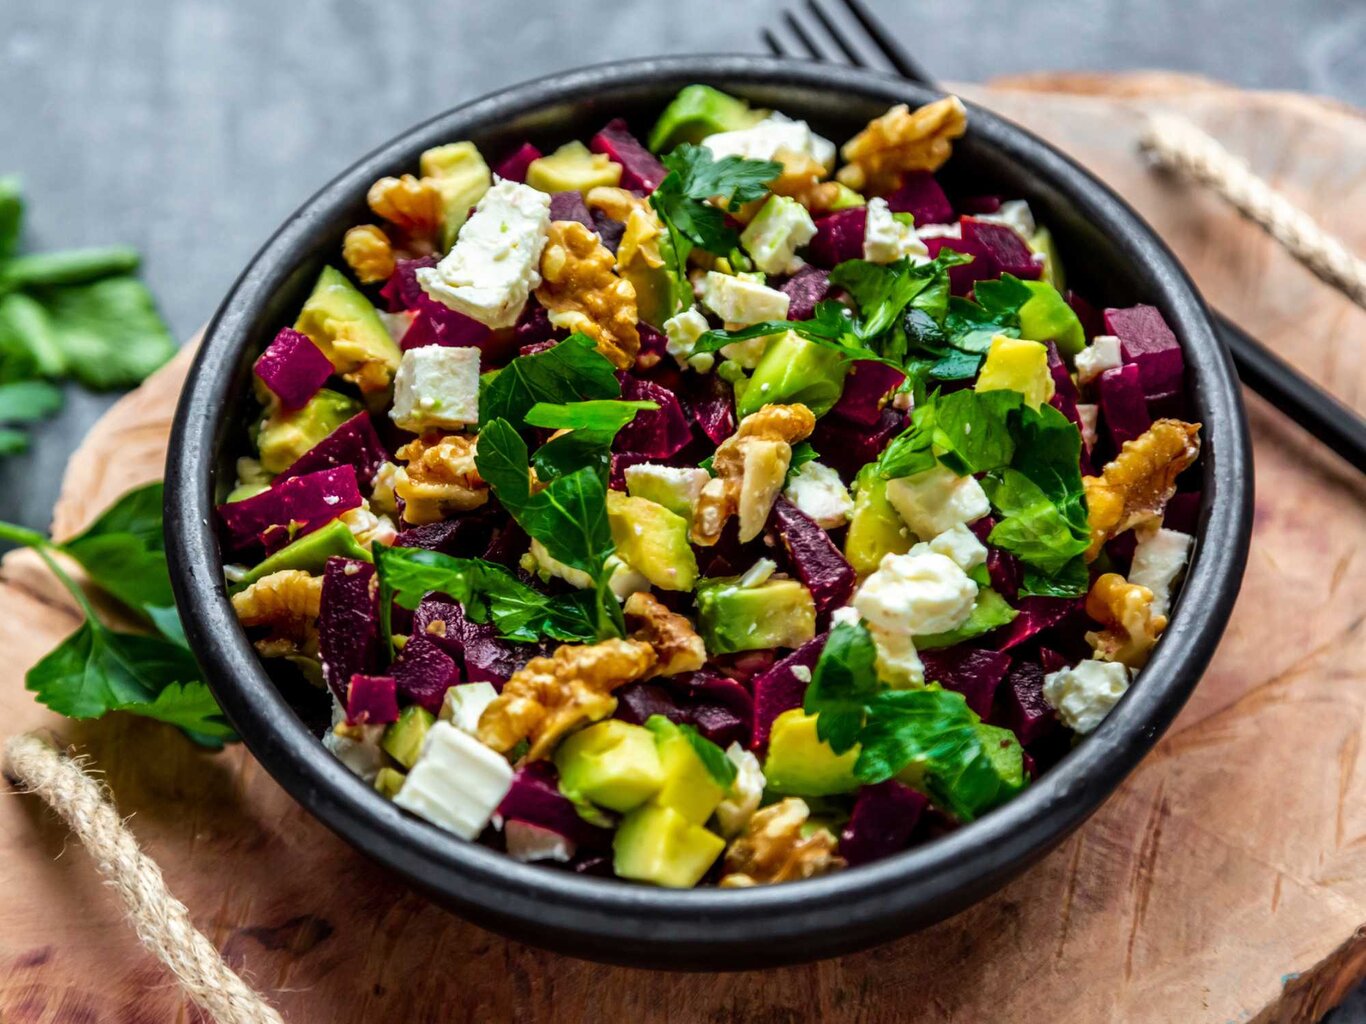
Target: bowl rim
<point>610,919</point>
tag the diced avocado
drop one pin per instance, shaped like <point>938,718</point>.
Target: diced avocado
<point>1053,273</point>
<point>652,540</point>
<point>698,111</point>
<point>778,230</point>
<point>1014,364</point>
<point>657,844</point>
<point>800,764</point>
<point>244,491</point>
<point>310,552</point>
<point>793,369</point>
<point>875,529</point>
<point>990,611</point>
<point>777,613</point>
<point>1003,751</point>
<point>389,781</point>
<point>688,787</point>
<point>614,764</point>
<point>572,168</point>
<point>846,198</point>
<point>284,436</point>
<point>1046,316</point>
<point>403,740</point>
<point>459,173</point>
<point>342,322</point>
<point>677,488</point>
<point>644,257</point>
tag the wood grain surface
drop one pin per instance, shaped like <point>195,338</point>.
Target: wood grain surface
<point>1225,881</point>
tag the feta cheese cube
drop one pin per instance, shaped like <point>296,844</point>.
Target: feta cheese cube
<point>677,488</point>
<point>624,580</point>
<point>1083,696</point>
<point>1090,418</point>
<point>886,239</point>
<point>937,500</point>
<point>436,388</point>
<point>682,331</point>
<point>898,663</point>
<point>527,843</point>
<point>781,227</point>
<point>494,264</point>
<point>1014,214</point>
<point>1101,355</point>
<point>734,812</point>
<point>464,704</point>
<point>915,594</point>
<point>740,299</point>
<point>457,782</point>
<point>959,544</point>
<point>819,493</point>
<point>359,750</point>
<point>954,230</point>
<point>1159,558</point>
<point>771,136</point>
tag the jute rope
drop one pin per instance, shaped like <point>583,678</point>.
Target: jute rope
<point>161,921</point>
<point>1179,145</point>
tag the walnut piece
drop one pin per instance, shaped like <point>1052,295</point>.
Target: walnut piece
<point>750,467</point>
<point>676,644</point>
<point>772,849</point>
<point>1130,626</point>
<point>902,140</point>
<point>440,478</point>
<point>552,696</point>
<point>287,601</point>
<point>584,293</point>
<point>369,253</point>
<point>411,204</point>
<point>803,179</point>
<point>1135,487</point>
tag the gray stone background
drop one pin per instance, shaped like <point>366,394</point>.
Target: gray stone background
<point>191,128</point>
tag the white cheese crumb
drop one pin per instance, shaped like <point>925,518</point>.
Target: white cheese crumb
<point>464,704</point>
<point>734,812</point>
<point>1102,354</point>
<point>527,843</point>
<point>457,782</point>
<point>769,137</point>
<point>1090,419</point>
<point>819,493</point>
<point>436,388</point>
<point>1159,558</point>
<point>1083,696</point>
<point>958,544</point>
<point>740,299</point>
<point>886,239</point>
<point>916,593</point>
<point>937,500</point>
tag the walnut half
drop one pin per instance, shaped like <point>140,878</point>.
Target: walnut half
<point>289,602</point>
<point>902,140</point>
<point>772,848</point>
<point>584,293</point>
<point>1130,626</point>
<point>676,644</point>
<point>440,478</point>
<point>1137,484</point>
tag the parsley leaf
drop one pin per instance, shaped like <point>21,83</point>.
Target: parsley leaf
<point>572,371</point>
<point>842,685</point>
<point>591,427</point>
<point>694,177</point>
<point>11,215</point>
<point>605,415</point>
<point>108,332</point>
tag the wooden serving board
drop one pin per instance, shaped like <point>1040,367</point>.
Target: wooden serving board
<point>1225,881</point>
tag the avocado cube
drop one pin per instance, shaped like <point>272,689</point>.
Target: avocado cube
<point>389,781</point>
<point>778,230</point>
<point>677,488</point>
<point>845,198</point>
<point>284,436</point>
<point>342,322</point>
<point>403,739</point>
<point>793,369</point>
<point>613,764</point>
<point>652,540</point>
<point>1014,364</point>
<point>875,529</point>
<point>776,613</point>
<point>310,553</point>
<point>572,168</point>
<point>698,111</point>
<point>1046,316</point>
<point>688,787</point>
<point>800,764</point>
<point>1041,241</point>
<point>462,177</point>
<point>657,844</point>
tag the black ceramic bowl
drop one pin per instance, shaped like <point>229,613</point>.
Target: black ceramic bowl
<point>1113,257</point>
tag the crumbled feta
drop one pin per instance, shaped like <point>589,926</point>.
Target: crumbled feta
<point>359,750</point>
<point>819,493</point>
<point>958,544</point>
<point>382,497</point>
<point>682,331</point>
<point>1090,419</point>
<point>937,500</point>
<point>436,388</point>
<point>778,230</point>
<point>464,704</point>
<point>677,488</point>
<point>457,782</point>
<point>772,135</point>
<point>1014,214</point>
<point>916,593</point>
<point>1084,695</point>
<point>527,842</point>
<point>1159,558</point>
<point>734,812</point>
<point>740,299</point>
<point>954,230</point>
<point>848,616</point>
<point>897,661</point>
<point>1101,355</point>
<point>367,527</point>
<point>886,239</point>
<point>493,266</point>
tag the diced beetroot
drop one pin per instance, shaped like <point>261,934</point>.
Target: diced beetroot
<point>654,347</point>
<point>485,657</point>
<point>1063,385</point>
<point>848,447</point>
<point>711,401</point>
<point>921,197</point>
<point>424,672</point>
<point>1022,708</point>
<point>507,545</point>
<point>1183,512</point>
<point>866,385</point>
<point>293,368</point>
<point>535,798</point>
<point>1091,321</point>
<point>657,433</point>
<point>354,443</point>
<point>1121,551</point>
<point>881,824</point>
<point>804,289</point>
<point>1006,573</point>
<point>713,711</point>
<point>973,205</point>
<point>465,537</point>
<point>819,564</point>
<point>570,206</point>
<point>290,508</point>
<point>534,328</point>
<point>779,689</point>
<point>609,230</point>
<point>972,672</point>
<point>371,700</point>
<point>1036,615</point>
<point>1007,249</point>
<point>348,622</point>
<point>745,667</point>
<point>434,324</point>
<point>639,168</point>
<point>1122,407</point>
<point>839,237</point>
<point>1147,341</point>
<point>514,166</point>
<point>962,278</point>
<point>401,291</point>
<point>442,621</point>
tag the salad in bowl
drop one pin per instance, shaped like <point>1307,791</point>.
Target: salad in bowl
<point>710,507</point>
